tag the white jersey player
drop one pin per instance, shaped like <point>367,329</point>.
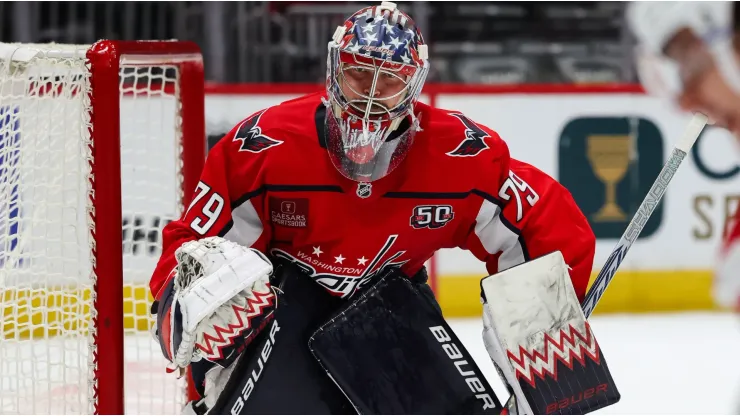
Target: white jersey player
<point>689,52</point>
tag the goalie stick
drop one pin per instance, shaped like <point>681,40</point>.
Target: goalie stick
<point>653,197</point>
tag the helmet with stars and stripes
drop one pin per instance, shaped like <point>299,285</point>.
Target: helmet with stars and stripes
<point>376,68</point>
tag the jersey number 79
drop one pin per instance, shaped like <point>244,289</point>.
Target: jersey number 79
<point>210,210</point>
<point>517,188</point>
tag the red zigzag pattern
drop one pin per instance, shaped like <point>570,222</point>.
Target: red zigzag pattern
<point>572,345</point>
<point>224,336</point>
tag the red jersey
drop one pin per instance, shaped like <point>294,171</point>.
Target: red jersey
<point>269,184</point>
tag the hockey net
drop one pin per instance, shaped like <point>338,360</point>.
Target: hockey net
<point>98,147</point>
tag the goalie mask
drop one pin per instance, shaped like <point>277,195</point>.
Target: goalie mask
<point>376,68</point>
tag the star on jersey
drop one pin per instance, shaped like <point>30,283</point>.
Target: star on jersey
<point>251,135</point>
<point>317,251</point>
<point>344,280</point>
<point>473,143</point>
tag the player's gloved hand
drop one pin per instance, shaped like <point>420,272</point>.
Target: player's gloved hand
<point>218,299</point>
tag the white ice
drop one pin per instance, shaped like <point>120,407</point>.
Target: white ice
<point>685,363</point>
<point>662,364</point>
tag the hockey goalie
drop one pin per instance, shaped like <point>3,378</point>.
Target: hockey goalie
<point>295,280</point>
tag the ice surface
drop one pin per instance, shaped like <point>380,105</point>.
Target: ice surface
<point>677,364</point>
<point>672,363</point>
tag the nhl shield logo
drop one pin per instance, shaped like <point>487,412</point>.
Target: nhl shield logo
<point>364,189</point>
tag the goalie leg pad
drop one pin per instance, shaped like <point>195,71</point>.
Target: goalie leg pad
<point>391,352</point>
<point>277,374</point>
<point>540,341</point>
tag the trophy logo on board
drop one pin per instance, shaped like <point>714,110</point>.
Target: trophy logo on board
<point>596,165</point>
<point>609,158</point>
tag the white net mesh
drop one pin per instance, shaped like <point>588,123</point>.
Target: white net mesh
<point>46,277</point>
<point>150,186</point>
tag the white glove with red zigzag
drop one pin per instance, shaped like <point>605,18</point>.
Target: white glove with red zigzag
<point>221,294</point>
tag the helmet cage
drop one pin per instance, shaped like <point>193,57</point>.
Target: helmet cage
<point>342,60</point>
<point>364,122</point>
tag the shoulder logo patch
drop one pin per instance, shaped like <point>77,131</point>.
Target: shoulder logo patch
<point>473,143</point>
<point>251,135</point>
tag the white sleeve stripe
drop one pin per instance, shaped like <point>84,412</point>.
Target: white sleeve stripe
<point>496,235</point>
<point>246,227</point>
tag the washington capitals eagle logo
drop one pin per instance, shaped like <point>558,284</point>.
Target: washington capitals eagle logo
<point>251,135</point>
<point>473,143</point>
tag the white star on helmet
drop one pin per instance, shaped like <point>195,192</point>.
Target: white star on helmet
<point>396,42</point>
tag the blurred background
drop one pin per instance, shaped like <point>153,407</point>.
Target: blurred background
<point>470,42</point>
<point>550,77</point>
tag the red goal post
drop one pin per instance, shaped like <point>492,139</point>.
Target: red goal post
<point>106,59</point>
